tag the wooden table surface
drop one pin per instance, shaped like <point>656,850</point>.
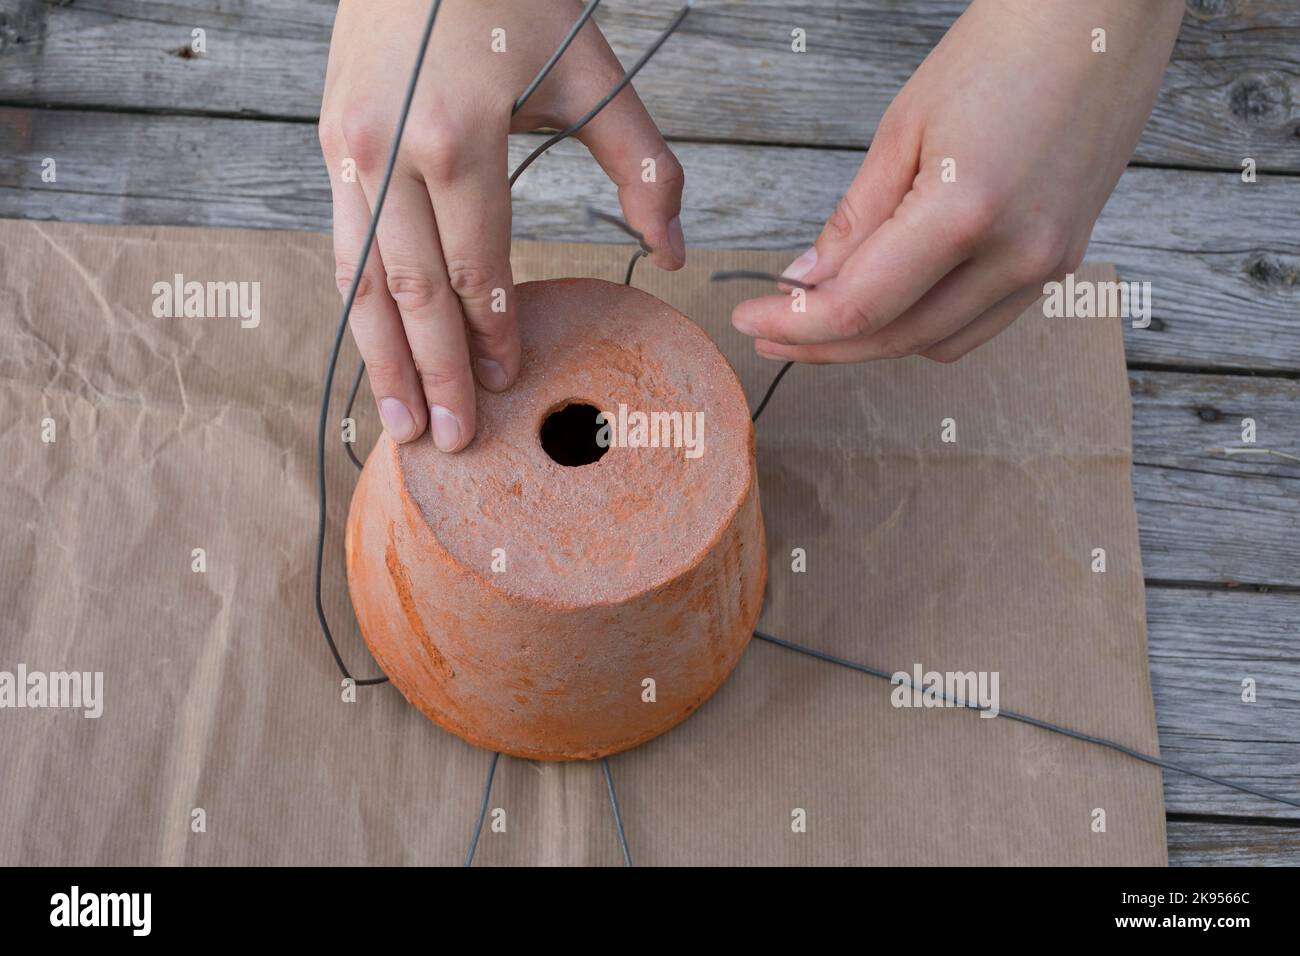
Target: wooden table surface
<point>144,133</point>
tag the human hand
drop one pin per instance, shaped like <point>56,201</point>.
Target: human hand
<point>437,288</point>
<point>1035,129</point>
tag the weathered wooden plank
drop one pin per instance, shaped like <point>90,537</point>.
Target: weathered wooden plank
<point>1203,644</point>
<point>1232,91</point>
<point>1197,843</point>
<point>1223,256</point>
<point>1223,260</point>
<point>1185,420</point>
<point>1204,516</point>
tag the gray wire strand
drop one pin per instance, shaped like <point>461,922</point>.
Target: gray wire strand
<point>482,809</point>
<point>531,88</point>
<point>347,412</point>
<point>350,299</point>
<point>749,273</point>
<point>595,215</point>
<point>770,277</point>
<point>734,274</point>
<point>643,250</point>
<point>767,396</point>
<point>1041,724</point>
<point>608,98</point>
<point>618,817</point>
<point>631,265</point>
<point>338,342</point>
<point>523,98</point>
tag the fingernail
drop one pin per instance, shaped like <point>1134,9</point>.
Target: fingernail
<point>492,375</point>
<point>801,266</point>
<point>742,324</point>
<point>677,241</point>
<point>446,430</point>
<point>398,422</point>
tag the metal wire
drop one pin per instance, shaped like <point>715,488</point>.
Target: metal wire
<point>734,274</point>
<point>595,215</point>
<point>531,88</point>
<point>338,342</point>
<point>347,413</point>
<point>768,277</point>
<point>618,817</point>
<point>631,265</point>
<point>643,250</point>
<point>1042,724</point>
<point>482,809</point>
<point>608,98</point>
<point>767,396</point>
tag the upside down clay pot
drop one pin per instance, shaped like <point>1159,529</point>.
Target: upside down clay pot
<point>570,585</point>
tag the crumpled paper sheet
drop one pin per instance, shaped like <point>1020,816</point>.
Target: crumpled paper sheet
<point>220,695</point>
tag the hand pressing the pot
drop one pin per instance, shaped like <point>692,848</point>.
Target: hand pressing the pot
<point>983,182</point>
<point>435,307</point>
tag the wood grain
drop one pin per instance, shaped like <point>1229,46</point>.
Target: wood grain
<point>1223,256</point>
<point>1207,843</point>
<point>1203,516</point>
<point>1231,91</point>
<point>1202,645</point>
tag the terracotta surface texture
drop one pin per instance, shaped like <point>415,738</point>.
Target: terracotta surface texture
<point>524,604</point>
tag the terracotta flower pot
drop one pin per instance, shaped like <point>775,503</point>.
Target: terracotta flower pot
<point>570,608</point>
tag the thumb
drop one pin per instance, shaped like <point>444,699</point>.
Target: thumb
<point>881,182</point>
<point>627,144</point>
